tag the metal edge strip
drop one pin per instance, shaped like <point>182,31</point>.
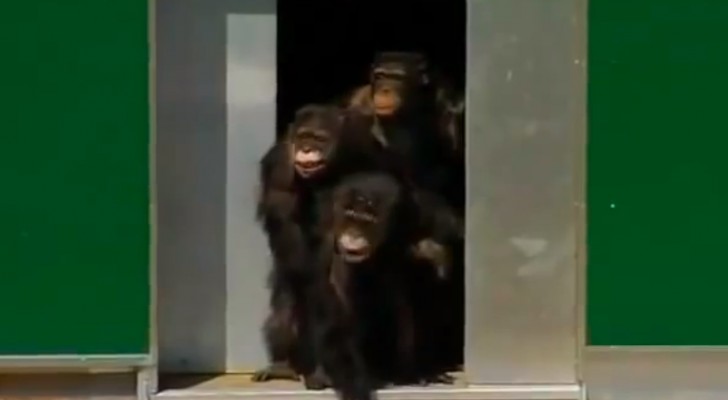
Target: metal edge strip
<point>645,351</point>
<point>580,179</point>
<point>148,376</point>
<point>153,228</point>
<point>495,392</point>
<point>75,361</point>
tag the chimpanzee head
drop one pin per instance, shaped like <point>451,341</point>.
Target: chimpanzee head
<point>366,205</point>
<point>313,137</point>
<point>395,80</point>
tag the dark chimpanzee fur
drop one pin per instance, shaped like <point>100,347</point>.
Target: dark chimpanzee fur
<point>451,125</point>
<point>440,210</point>
<point>360,307</point>
<point>451,120</point>
<point>308,159</point>
<point>363,305</point>
<point>322,145</point>
<point>402,100</point>
<point>417,117</point>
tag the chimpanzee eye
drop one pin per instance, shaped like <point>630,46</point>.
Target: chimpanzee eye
<point>304,133</point>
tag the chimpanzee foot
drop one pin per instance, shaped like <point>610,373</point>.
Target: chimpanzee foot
<point>439,378</point>
<point>384,384</point>
<point>277,370</point>
<point>318,380</point>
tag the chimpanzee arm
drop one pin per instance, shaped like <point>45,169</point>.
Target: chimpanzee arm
<point>277,207</point>
<point>439,228</point>
<point>438,219</point>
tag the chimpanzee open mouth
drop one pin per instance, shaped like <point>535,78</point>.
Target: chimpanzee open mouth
<point>354,256</point>
<point>353,249</point>
<point>384,111</point>
<point>307,168</point>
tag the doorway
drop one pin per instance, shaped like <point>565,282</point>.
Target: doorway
<point>222,97</point>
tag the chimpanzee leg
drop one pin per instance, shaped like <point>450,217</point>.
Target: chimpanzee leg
<point>281,334</point>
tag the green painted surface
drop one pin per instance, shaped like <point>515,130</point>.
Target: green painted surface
<point>74,143</point>
<point>658,172</point>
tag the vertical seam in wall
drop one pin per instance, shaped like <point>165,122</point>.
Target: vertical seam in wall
<point>152,100</point>
<point>580,165</point>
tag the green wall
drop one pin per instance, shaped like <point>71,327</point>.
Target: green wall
<point>658,172</point>
<point>74,170</point>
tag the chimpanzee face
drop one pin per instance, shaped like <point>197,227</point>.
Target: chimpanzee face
<point>363,208</point>
<point>313,136</point>
<point>394,79</point>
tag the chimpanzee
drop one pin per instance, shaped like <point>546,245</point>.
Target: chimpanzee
<point>363,310</point>
<point>417,115</point>
<point>359,305</point>
<point>304,161</point>
<point>312,156</point>
<point>364,152</point>
<point>451,120</point>
<point>401,99</point>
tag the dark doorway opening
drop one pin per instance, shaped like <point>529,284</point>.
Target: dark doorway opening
<point>325,46</point>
